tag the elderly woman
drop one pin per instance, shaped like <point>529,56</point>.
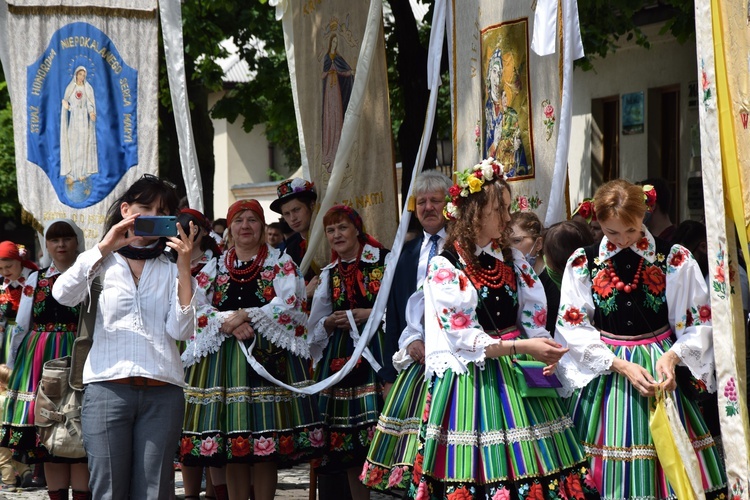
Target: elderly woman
<point>51,331</point>
<point>484,306</point>
<point>15,269</point>
<point>255,324</point>
<point>348,288</point>
<point>133,403</point>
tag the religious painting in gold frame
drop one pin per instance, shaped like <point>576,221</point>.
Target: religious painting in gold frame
<point>506,120</point>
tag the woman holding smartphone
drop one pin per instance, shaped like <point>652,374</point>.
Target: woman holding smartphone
<point>133,404</point>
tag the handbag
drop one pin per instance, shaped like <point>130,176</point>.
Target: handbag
<point>57,411</point>
<point>674,449</point>
<point>531,380</point>
<point>84,335</point>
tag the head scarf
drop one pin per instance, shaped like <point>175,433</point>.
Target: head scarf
<point>46,260</point>
<point>204,222</point>
<point>241,206</point>
<point>12,251</point>
<point>355,219</point>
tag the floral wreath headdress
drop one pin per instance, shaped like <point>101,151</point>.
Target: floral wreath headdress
<point>649,197</point>
<point>470,181</point>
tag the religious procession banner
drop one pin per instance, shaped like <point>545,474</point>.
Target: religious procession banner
<point>84,93</point>
<point>323,66</point>
<point>723,49</point>
<point>505,98</point>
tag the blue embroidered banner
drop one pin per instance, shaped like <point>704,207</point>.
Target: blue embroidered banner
<point>82,114</point>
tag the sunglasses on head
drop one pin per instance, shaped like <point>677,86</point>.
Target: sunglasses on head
<point>157,180</point>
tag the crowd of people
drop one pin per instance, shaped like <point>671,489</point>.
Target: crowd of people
<point>206,360</point>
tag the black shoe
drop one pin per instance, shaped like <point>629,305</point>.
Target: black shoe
<point>38,482</point>
<point>27,480</point>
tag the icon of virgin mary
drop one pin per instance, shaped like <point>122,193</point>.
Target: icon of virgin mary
<point>77,129</point>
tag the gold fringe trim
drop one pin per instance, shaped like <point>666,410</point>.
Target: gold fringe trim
<point>28,219</point>
<point>60,10</point>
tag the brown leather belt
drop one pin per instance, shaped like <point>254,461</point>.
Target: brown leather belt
<point>139,382</point>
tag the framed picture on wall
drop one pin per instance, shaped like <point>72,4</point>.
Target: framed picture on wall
<point>632,113</point>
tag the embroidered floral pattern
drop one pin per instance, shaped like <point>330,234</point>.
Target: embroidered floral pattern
<point>536,318</point>
<point>718,283</point>
<point>522,203</point>
<point>549,118</point>
<point>732,407</point>
<point>44,291</point>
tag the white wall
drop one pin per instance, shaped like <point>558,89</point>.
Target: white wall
<point>632,69</point>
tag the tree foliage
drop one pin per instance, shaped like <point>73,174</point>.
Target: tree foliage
<point>9,206</point>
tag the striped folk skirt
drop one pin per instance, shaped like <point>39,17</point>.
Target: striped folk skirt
<point>350,408</point>
<point>18,431</point>
<point>394,446</point>
<point>233,415</point>
<point>612,417</point>
<point>482,439</point>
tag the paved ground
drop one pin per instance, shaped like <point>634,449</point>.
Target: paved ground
<point>294,484</point>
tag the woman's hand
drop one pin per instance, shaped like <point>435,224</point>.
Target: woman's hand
<point>233,321</point>
<point>416,351</point>
<point>244,332</point>
<point>119,235</point>
<point>665,369</point>
<point>542,349</point>
<point>360,316</point>
<point>183,245</point>
<point>638,376</point>
<point>549,370</point>
<point>339,319</point>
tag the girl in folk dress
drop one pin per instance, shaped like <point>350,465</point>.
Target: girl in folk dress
<point>633,307</point>
<point>484,305</point>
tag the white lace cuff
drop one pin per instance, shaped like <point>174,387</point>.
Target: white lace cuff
<point>700,366</point>
<point>208,340</point>
<point>279,335</point>
<point>318,340</point>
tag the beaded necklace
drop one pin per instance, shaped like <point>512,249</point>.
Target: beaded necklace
<point>250,272</point>
<point>349,276</point>
<point>495,277</point>
<point>620,285</point>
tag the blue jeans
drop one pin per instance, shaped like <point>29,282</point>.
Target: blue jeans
<point>131,434</point>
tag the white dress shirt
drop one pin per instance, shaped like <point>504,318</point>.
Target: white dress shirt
<point>424,252</point>
<point>136,327</point>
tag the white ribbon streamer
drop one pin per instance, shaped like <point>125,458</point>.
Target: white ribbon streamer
<point>556,206</point>
<point>171,26</point>
<point>437,36</point>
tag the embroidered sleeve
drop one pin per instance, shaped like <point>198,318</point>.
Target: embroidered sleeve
<point>24,318</point>
<point>453,336</point>
<point>588,357</point>
<point>321,308</point>
<point>282,321</point>
<point>689,307</point>
<point>532,302</point>
<point>413,331</point>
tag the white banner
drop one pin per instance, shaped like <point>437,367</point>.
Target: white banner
<point>84,83</point>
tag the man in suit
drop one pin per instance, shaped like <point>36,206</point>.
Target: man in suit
<point>430,192</point>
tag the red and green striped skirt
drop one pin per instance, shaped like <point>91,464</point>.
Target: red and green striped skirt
<point>233,415</point>
<point>394,446</point>
<point>482,439</point>
<point>612,417</point>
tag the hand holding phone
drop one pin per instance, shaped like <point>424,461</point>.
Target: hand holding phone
<point>158,225</point>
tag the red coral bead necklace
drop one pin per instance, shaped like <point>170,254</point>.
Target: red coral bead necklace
<point>620,285</point>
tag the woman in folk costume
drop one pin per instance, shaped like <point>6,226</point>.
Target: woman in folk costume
<point>632,308</point>
<point>234,416</point>
<point>15,269</point>
<point>483,306</point>
<point>51,331</point>
<point>348,285</point>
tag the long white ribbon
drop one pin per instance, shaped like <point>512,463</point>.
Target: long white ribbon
<point>171,26</point>
<point>571,32</point>
<point>437,36</point>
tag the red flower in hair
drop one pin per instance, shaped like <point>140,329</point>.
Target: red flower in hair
<point>649,196</point>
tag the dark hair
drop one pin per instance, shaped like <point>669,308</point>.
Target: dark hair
<point>562,239</point>
<point>464,230</point>
<point>663,193</point>
<point>276,225</point>
<point>60,229</point>
<point>221,221</point>
<point>145,191</point>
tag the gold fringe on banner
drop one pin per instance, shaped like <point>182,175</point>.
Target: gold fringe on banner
<point>30,220</point>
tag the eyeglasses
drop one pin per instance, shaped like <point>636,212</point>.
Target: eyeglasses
<point>158,180</point>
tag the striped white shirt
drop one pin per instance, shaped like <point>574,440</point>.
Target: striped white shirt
<point>136,327</point>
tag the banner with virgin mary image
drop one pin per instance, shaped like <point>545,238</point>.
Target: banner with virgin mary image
<point>84,90</point>
<point>329,39</point>
<point>506,98</point>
